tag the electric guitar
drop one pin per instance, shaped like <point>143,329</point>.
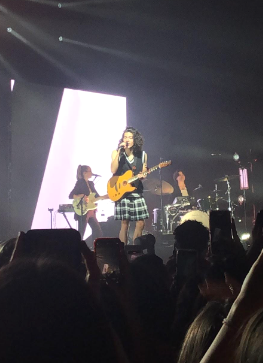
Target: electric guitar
<point>87,206</point>
<point>119,185</point>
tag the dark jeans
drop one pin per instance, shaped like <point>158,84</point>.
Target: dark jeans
<point>94,225</point>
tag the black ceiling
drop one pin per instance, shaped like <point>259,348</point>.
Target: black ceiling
<point>200,61</point>
<point>215,43</point>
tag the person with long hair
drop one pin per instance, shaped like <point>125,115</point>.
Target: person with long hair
<point>203,331</point>
<point>81,191</point>
<point>131,207</point>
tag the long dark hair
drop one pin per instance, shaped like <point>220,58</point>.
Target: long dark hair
<point>202,331</point>
<point>250,348</point>
<point>137,139</point>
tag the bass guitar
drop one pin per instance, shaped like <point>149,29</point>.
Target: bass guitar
<point>87,206</point>
<point>119,185</point>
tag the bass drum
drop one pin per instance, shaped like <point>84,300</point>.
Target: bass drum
<point>196,215</point>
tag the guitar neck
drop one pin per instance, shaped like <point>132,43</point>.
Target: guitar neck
<point>131,180</point>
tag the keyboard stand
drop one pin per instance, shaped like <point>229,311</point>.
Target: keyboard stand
<point>64,215</point>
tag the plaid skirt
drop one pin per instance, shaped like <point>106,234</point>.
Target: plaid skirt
<point>133,209</point>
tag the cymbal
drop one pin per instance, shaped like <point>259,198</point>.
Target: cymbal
<point>226,177</point>
<point>154,186</point>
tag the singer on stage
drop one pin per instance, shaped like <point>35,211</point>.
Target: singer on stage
<point>132,207</point>
<point>82,189</point>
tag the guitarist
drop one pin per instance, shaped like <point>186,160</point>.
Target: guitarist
<point>83,188</point>
<point>132,206</point>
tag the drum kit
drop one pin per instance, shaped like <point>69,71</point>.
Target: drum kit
<point>183,208</point>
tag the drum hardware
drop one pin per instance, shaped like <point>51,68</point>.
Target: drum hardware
<point>156,221</point>
<point>171,218</point>
<point>163,222</point>
<point>171,209</point>
<point>206,204</point>
<point>226,178</point>
<point>197,188</point>
<point>159,187</point>
<point>154,186</point>
<point>217,197</point>
<point>214,201</point>
<point>183,202</point>
<point>228,191</point>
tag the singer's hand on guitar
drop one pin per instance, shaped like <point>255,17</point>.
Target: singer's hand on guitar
<point>141,175</point>
<point>86,199</point>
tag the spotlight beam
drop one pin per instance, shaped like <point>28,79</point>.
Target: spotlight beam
<point>46,56</point>
<point>73,4</point>
<point>9,68</point>
<point>91,2</point>
<point>44,2</point>
<point>3,9</point>
<point>118,53</point>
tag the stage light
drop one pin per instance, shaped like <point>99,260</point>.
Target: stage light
<point>9,30</point>
<point>236,157</point>
<point>12,83</point>
<point>241,199</point>
<point>60,39</point>
<point>244,236</point>
<point>243,179</point>
<point>59,5</point>
<point>92,113</point>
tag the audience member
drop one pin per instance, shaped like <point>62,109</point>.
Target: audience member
<point>49,314</point>
<point>202,332</point>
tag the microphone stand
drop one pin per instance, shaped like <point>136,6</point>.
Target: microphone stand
<point>161,197</point>
<point>228,192</point>
<point>216,197</point>
<point>50,210</point>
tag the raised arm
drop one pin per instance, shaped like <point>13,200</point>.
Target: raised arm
<point>115,158</point>
<point>248,302</point>
<point>115,161</point>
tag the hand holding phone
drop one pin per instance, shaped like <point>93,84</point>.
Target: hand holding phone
<point>108,254</point>
<point>186,263</point>
<point>58,244</point>
<point>257,232</point>
<point>220,230</point>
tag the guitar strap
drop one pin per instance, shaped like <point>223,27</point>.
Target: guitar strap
<point>137,163</point>
<point>90,191</point>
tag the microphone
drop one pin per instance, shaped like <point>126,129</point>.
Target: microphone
<point>127,144</point>
<point>121,148</point>
<point>96,175</point>
<point>199,187</point>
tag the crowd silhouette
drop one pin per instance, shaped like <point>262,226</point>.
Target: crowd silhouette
<point>207,310</point>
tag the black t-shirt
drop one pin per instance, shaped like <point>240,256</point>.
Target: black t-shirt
<point>81,187</point>
<point>136,166</point>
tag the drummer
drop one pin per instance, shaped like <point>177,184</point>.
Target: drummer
<point>187,202</point>
<point>179,177</point>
